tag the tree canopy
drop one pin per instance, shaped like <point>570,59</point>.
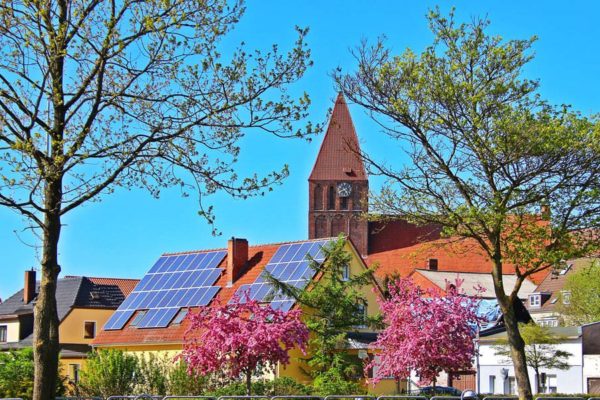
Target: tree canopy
<point>96,95</point>
<point>426,332</point>
<point>241,336</point>
<point>486,153</point>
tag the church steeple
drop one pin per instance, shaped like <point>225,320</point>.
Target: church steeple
<point>338,183</point>
<point>337,157</point>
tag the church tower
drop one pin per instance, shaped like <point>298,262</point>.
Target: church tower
<point>338,184</point>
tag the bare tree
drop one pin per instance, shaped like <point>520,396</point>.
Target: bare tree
<point>128,93</point>
<point>486,154</point>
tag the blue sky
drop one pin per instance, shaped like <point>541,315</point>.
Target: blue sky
<point>123,235</point>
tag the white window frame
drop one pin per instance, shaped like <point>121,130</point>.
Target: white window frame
<point>492,384</point>
<point>553,378</point>
<point>538,300</point>
<point>346,272</point>
<point>566,297</point>
<point>4,328</point>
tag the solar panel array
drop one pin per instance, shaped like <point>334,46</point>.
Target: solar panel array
<point>290,264</point>
<point>175,281</point>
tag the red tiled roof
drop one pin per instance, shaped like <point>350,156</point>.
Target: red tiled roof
<point>463,255</point>
<point>337,159</point>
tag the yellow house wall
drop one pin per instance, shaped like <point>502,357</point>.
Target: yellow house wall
<point>71,329</point>
<point>12,330</point>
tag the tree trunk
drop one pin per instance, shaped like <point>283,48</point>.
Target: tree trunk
<point>538,383</point>
<point>517,351</point>
<point>45,326</point>
<point>248,382</point>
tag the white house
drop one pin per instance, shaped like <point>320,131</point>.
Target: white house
<point>496,373</point>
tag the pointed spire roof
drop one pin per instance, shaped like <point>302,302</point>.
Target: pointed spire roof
<point>337,159</point>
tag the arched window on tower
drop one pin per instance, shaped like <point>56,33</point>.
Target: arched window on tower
<point>331,198</point>
<point>318,198</point>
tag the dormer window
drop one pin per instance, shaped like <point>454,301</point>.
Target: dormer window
<point>535,300</point>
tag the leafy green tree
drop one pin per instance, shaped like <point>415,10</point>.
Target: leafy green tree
<point>153,373</point>
<point>332,382</point>
<point>485,153</point>
<point>110,373</point>
<point>540,350</point>
<point>333,306</point>
<point>583,287</point>
<point>96,95</point>
<point>16,374</point>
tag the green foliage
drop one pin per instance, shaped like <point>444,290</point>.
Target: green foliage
<point>277,387</point>
<point>153,373</point>
<point>333,382</point>
<point>16,374</point>
<point>109,373</point>
<point>584,288</point>
<point>485,153</point>
<point>333,307</point>
<point>182,383</point>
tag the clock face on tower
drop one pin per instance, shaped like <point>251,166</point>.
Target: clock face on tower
<point>344,189</point>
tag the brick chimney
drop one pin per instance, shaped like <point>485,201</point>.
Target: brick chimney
<point>432,264</point>
<point>237,257</point>
<point>29,287</point>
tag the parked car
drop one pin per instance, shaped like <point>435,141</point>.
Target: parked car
<point>438,390</point>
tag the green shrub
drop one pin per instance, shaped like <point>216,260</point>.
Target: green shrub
<point>183,384</point>
<point>333,382</point>
<point>153,374</point>
<point>109,372</point>
<point>16,374</point>
<point>276,387</point>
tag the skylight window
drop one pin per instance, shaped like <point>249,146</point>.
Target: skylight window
<point>138,318</point>
<point>180,316</point>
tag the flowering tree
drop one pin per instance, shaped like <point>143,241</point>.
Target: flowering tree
<point>239,337</point>
<point>427,332</point>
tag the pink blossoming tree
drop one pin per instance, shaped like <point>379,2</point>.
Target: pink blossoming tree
<point>427,332</point>
<point>239,337</point>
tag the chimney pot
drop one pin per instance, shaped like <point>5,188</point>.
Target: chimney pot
<point>237,257</point>
<point>29,287</point>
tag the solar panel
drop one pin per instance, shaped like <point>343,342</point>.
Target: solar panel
<point>291,265</point>
<point>173,282</point>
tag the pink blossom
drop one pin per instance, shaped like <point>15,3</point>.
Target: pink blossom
<point>238,337</point>
<point>427,332</point>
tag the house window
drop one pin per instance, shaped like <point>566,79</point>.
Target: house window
<point>138,318</point>
<point>3,333</point>
<point>535,300</point>
<point>550,322</point>
<point>566,297</point>
<point>346,273</point>
<point>74,372</point>
<point>361,314</point>
<point>512,385</point>
<point>89,329</point>
<point>492,384</point>
<point>551,383</point>
<point>180,316</point>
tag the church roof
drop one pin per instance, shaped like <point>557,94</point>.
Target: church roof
<point>338,159</point>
